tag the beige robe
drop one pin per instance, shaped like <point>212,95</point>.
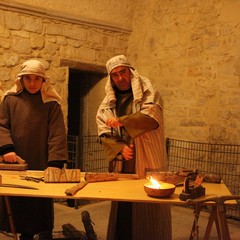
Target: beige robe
<point>149,221</point>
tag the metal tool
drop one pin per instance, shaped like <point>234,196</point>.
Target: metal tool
<point>192,191</point>
<point>9,185</point>
<point>33,179</point>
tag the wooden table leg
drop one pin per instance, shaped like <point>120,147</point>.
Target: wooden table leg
<point>195,231</point>
<point>222,220</point>
<point>10,218</point>
<point>219,216</point>
<point>212,218</point>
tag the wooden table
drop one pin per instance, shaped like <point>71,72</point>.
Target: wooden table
<point>124,190</point>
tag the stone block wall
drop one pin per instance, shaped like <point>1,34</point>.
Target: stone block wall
<point>60,40</point>
<point>190,49</point>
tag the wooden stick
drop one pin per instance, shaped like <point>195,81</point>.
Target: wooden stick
<point>10,218</point>
<point>91,177</point>
<point>101,177</point>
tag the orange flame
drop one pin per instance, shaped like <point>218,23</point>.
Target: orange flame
<point>154,182</point>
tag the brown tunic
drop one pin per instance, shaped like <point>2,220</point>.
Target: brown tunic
<point>36,132</point>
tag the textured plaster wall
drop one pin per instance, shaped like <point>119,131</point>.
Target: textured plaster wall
<point>190,49</point>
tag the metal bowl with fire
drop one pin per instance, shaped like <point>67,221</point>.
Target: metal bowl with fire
<point>158,189</point>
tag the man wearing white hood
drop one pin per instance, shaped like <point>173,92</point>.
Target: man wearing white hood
<point>32,127</point>
<point>130,126</point>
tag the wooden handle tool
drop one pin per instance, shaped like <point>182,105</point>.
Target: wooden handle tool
<point>73,190</point>
<point>19,160</point>
<point>102,177</point>
<point>19,165</point>
<point>91,177</point>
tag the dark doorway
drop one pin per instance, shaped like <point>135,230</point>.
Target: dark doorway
<point>83,100</point>
<point>73,103</point>
<point>81,109</point>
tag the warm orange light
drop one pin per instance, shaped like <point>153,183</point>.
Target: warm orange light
<point>154,182</point>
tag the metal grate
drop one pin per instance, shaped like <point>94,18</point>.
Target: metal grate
<point>92,155</point>
<point>220,159</point>
<point>73,154</point>
<point>87,153</point>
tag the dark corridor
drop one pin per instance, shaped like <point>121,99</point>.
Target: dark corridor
<point>81,114</point>
<point>80,83</point>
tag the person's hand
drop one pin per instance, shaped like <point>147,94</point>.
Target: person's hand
<point>10,157</point>
<point>113,122</point>
<point>128,152</point>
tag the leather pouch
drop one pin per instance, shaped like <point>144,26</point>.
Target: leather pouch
<point>57,175</point>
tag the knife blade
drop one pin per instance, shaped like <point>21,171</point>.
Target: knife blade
<point>17,186</point>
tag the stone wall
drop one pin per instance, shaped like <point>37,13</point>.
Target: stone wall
<point>190,49</point>
<point>59,39</point>
<point>101,11</point>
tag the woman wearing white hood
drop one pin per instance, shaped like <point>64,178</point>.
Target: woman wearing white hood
<point>32,127</point>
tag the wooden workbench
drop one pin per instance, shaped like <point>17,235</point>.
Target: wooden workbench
<point>121,190</point>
